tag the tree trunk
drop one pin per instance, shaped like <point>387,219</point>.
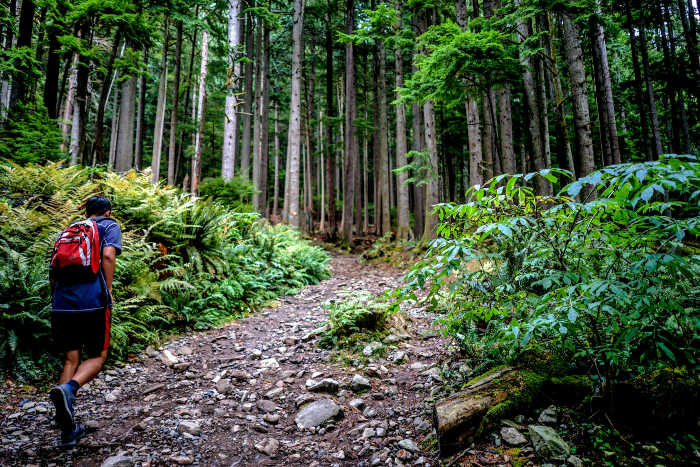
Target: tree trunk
<point>228,156</point>
<point>543,187</point>
<point>138,151</point>
<point>257,118</point>
<point>350,138</point>
<point>109,80</point>
<point>201,101</point>
<point>125,144</point>
<point>53,68</point>
<point>113,136</point>
<point>651,101</point>
<point>275,196</point>
<point>21,78</point>
<point>600,52</point>
<point>418,189</point>
<point>689,31</point>
<point>172,144</point>
<point>641,104</point>
<point>432,188</point>
<point>248,99</point>
<point>294,131</point>
<point>577,75</point>
<point>383,176</point>
<point>330,156</point>
<point>403,219</point>
<point>69,103</point>
<point>506,122</point>
<point>265,122</point>
<point>160,108</point>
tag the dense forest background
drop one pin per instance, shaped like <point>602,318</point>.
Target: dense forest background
<point>350,116</point>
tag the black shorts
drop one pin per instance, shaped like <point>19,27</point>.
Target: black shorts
<point>87,331</point>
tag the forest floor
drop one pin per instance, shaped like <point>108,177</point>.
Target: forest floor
<point>235,395</point>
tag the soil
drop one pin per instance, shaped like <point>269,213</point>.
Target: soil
<point>229,396</point>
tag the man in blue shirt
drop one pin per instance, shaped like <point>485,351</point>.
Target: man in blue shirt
<point>80,320</point>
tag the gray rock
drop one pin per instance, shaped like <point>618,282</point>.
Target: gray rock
<point>317,413</point>
<point>190,427</point>
<point>266,405</point>
<point>398,357</point>
<point>371,348</point>
<point>574,461</point>
<point>269,363</point>
<point>393,339</point>
<point>512,436</point>
<point>168,358</point>
<point>268,446</point>
<point>409,445</point>
<point>224,386</point>
<point>548,443</point>
<point>326,385</point>
<point>422,425</point>
<point>368,433</point>
<point>255,354</point>
<point>118,461</point>
<point>548,416</point>
<point>358,404</point>
<point>360,383</point>
<point>272,419</point>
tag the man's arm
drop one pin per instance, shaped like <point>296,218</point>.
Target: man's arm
<point>109,258</point>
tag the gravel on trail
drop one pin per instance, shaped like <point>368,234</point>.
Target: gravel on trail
<point>257,391</point>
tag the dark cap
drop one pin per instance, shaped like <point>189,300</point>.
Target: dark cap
<point>97,205</point>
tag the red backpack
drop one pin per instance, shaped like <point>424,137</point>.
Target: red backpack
<point>76,253</point>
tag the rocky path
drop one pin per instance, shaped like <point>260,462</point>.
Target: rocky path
<point>258,391</point>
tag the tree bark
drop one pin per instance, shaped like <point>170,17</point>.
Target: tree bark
<point>138,151</point>
<point>69,103</point>
<point>432,188</point>
<point>160,108</point>
<point>107,83</point>
<point>577,76</point>
<point>350,138</point>
<point>257,118</point>
<point>383,178</point>
<point>275,196</point>
<point>201,101</point>
<point>506,122</point>
<point>172,144</point>
<point>265,122</point>
<point>21,78</point>
<point>653,114</point>
<point>294,131</point>
<point>330,184</point>
<point>641,103</point>
<point>53,68</point>
<point>228,156</point>
<point>403,230</point>
<point>125,144</point>
<point>248,99</point>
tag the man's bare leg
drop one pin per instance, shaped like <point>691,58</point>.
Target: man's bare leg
<point>70,365</point>
<point>89,369</point>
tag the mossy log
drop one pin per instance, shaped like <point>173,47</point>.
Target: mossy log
<point>488,399</point>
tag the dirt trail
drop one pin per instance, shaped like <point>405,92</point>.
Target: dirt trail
<point>230,396</point>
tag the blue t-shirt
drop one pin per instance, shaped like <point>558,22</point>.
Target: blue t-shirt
<point>91,295</point>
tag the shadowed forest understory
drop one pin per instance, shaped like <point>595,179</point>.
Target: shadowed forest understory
<point>367,232</point>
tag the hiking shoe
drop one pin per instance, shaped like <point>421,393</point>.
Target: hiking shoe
<point>62,398</point>
<point>71,437</point>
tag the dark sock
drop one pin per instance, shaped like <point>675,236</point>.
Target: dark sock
<point>73,385</point>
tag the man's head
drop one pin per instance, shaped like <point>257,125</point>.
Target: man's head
<point>98,206</point>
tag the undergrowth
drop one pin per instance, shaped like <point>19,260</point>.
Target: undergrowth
<point>356,318</point>
<point>186,264</point>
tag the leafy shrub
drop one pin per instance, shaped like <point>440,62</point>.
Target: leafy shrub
<point>186,263</point>
<point>357,313</point>
<point>236,194</point>
<point>608,282</point>
<point>29,135</point>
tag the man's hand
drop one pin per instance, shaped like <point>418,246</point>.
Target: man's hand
<point>109,259</point>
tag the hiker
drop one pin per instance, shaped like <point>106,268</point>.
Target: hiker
<point>81,272</point>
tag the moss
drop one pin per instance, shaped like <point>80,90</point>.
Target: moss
<point>573,388</point>
<point>519,392</point>
<point>485,375</point>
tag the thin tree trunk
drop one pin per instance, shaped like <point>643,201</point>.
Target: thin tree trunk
<point>228,156</point>
<point>688,23</point>
<point>172,144</point>
<point>53,68</point>
<point>265,122</point>
<point>138,151</point>
<point>257,119</point>
<point>125,144</point>
<point>577,76</point>
<point>641,103</point>
<point>431,192</point>
<point>21,79</point>
<point>330,180</point>
<point>113,136</point>
<point>403,230</point>
<point>294,131</point>
<point>656,136</point>
<point>350,138</point>
<point>69,103</point>
<point>276,191</point>
<point>383,179</point>
<point>248,99</point>
<point>160,108</point>
<point>201,101</point>
<point>506,122</point>
<point>109,80</point>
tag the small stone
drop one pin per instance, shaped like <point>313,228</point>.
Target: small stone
<point>398,356</point>
<point>272,419</point>
<point>360,383</point>
<point>290,340</point>
<point>266,405</point>
<point>269,446</point>
<point>113,395</point>
<point>409,445</point>
<point>255,354</point>
<point>548,416</point>
<point>190,427</point>
<point>185,350</point>
<point>168,358</point>
<point>224,386</point>
<point>393,339</point>
<point>326,385</point>
<point>339,455</point>
<point>574,461</point>
<point>368,433</point>
<point>274,392</point>
<point>317,413</point>
<point>118,461</point>
<point>371,348</point>
<point>512,436</point>
<point>182,366</point>
<point>181,460</point>
<point>269,363</point>
<point>547,442</point>
<point>358,404</point>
